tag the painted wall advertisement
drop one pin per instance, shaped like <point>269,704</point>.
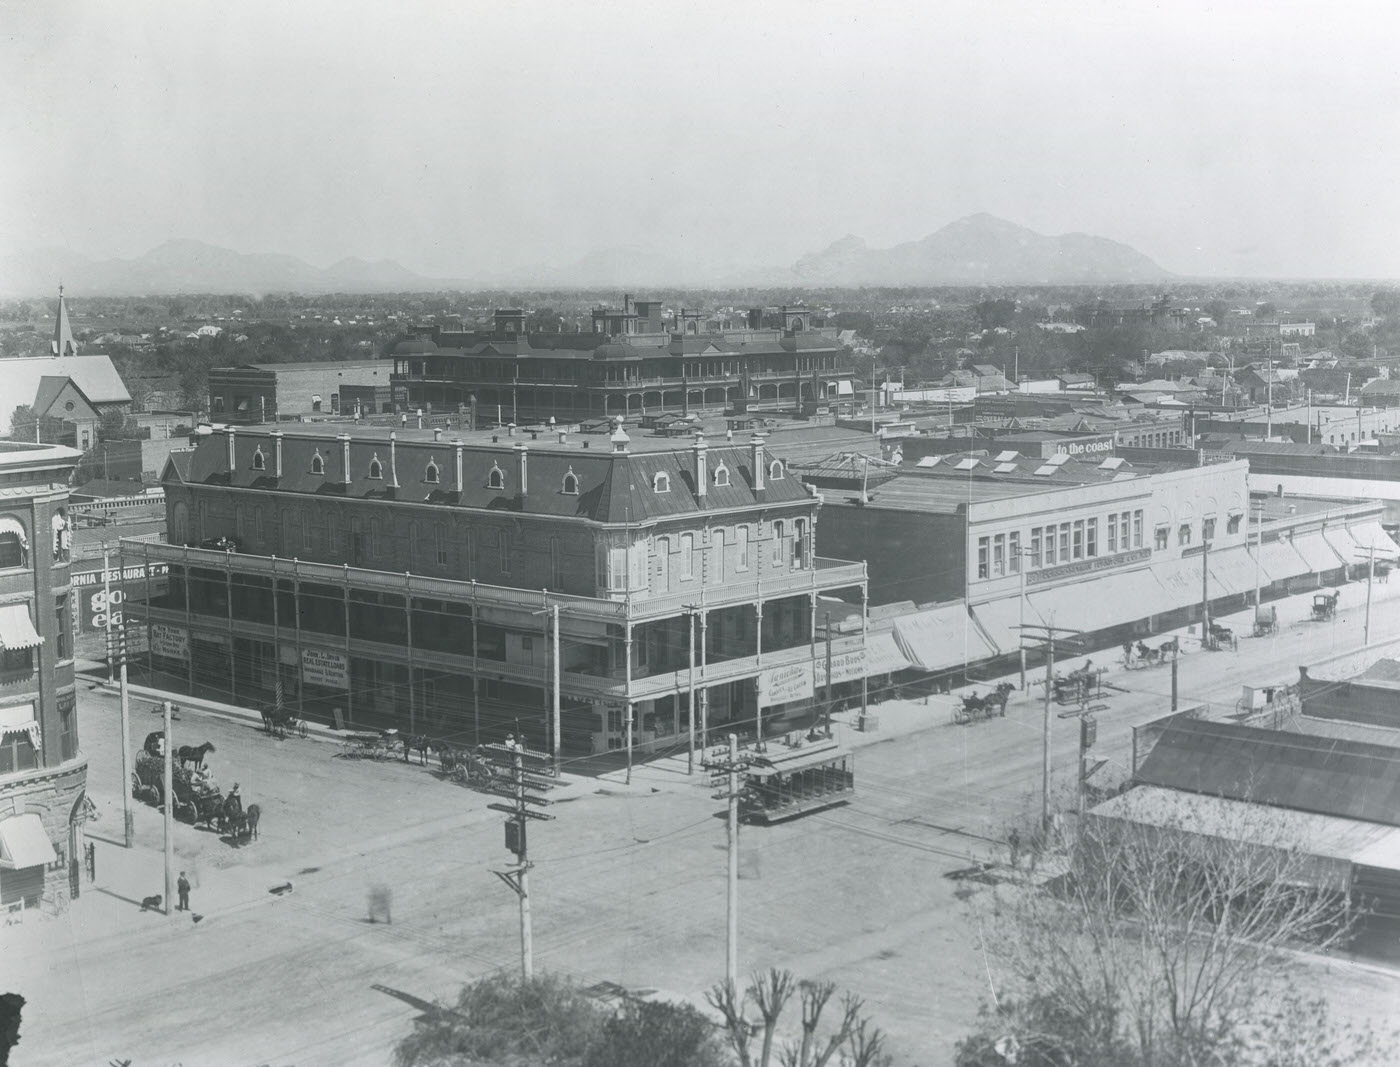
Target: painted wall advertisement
<point>325,667</point>
<point>90,591</point>
<point>778,685</point>
<point>847,667</point>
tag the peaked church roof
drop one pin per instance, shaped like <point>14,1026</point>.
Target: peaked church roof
<point>63,343</point>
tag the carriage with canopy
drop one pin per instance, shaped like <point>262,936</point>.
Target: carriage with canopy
<point>791,780</point>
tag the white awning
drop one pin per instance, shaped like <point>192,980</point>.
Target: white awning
<point>882,656</point>
<point>1002,619</point>
<point>1370,534</point>
<point>20,719</point>
<point>23,842</point>
<point>1103,601</point>
<point>1280,562</point>
<point>10,525</point>
<point>1232,571</point>
<point>1315,551</point>
<point>1181,578</point>
<point>16,629</point>
<point>940,637</point>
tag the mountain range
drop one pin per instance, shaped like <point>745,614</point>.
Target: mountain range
<point>977,250</point>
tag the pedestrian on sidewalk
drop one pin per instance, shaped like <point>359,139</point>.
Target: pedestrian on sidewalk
<point>183,886</point>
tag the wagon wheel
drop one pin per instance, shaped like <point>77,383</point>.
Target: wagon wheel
<point>301,727</point>
<point>135,785</point>
<point>186,811</point>
<point>149,794</point>
<point>348,749</point>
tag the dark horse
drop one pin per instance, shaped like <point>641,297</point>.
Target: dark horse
<point>250,820</point>
<point>416,743</point>
<point>231,817</point>
<point>195,754</point>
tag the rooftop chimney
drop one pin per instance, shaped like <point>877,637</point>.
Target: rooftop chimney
<point>277,453</point>
<point>702,471</point>
<point>510,430</point>
<point>437,433</point>
<point>757,461</point>
<point>457,448</point>
<point>344,440</point>
<point>232,461</point>
<point>563,437</point>
<point>393,460</point>
<point>522,468</point>
<point>420,418</point>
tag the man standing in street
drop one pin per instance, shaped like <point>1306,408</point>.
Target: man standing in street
<point>183,886</point>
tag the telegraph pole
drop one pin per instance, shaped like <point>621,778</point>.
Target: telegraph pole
<point>128,827</point>
<point>1205,594</point>
<point>1049,639</point>
<point>828,673</point>
<point>168,795</point>
<point>522,789</point>
<point>725,771</point>
<point>1370,576</point>
<point>107,610</point>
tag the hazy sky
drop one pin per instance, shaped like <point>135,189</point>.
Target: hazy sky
<point>1241,138</point>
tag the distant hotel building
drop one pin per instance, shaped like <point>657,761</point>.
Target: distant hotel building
<point>634,363</point>
<point>43,775</point>
<point>416,578</point>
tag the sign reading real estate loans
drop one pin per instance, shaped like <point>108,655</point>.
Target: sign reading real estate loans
<point>778,685</point>
<point>326,667</point>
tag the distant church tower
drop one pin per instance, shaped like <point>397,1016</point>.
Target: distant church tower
<point>63,343</point>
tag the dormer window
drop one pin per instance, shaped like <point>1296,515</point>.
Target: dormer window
<point>259,460</point>
<point>570,487</point>
<point>318,465</point>
<point>496,479</point>
<point>661,482</point>
<point>721,475</point>
<point>432,475</point>
<point>376,469</point>
<point>775,471</point>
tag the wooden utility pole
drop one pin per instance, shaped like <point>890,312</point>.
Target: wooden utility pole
<point>168,796</point>
<point>523,788</point>
<point>724,772</point>
<point>1049,643</point>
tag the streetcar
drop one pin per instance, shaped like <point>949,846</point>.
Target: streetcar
<point>791,781</point>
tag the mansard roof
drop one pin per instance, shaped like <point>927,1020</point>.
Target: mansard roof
<point>612,487</point>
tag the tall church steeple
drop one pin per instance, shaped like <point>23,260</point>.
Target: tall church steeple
<point>63,343</point>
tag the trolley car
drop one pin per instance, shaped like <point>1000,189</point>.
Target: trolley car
<point>792,781</point>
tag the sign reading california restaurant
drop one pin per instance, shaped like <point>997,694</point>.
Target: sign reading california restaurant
<point>325,667</point>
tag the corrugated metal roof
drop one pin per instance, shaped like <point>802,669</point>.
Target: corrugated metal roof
<point>1325,775</point>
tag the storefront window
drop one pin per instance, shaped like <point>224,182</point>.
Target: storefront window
<point>1183,534</point>
<point>999,555</point>
<point>1014,548</point>
<point>16,752</point>
<point>983,552</point>
<point>1163,535</point>
<point>1091,537</point>
<point>1207,529</point>
<point>1064,542</point>
<point>1123,531</point>
<point>1050,556</point>
<point>1137,529</point>
<point>1232,524</point>
<point>1079,539</point>
<point>1035,547</point>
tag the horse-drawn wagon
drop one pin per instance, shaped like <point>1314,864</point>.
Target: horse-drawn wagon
<point>1078,685</point>
<point>279,722</point>
<point>1142,654</point>
<point>377,746</point>
<point>1220,637</point>
<point>1265,621</point>
<point>197,798</point>
<point>974,707</point>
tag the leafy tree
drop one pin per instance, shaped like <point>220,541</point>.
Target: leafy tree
<point>998,312</point>
<point>1386,303</point>
<point>1160,949</point>
<point>658,1035</point>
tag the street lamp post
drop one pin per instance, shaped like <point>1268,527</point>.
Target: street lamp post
<point>1258,548</point>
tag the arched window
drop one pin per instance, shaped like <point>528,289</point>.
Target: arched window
<point>432,475</point>
<point>570,487</point>
<point>661,482</point>
<point>496,479</point>
<point>14,547</point>
<point>318,465</point>
<point>775,471</point>
<point>259,460</point>
<point>721,475</point>
<point>376,469</point>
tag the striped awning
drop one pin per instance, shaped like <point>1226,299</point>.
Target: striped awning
<point>20,719</point>
<point>1317,553</point>
<point>16,629</point>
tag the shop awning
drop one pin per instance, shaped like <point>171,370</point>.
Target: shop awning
<point>1001,619</point>
<point>882,656</point>
<point>1371,534</point>
<point>23,842</point>
<point>940,637</point>
<point>1104,601</point>
<point>1280,562</point>
<point>1232,572</point>
<point>1316,553</point>
<point>1181,578</point>
<point>16,630</point>
<point>19,719</point>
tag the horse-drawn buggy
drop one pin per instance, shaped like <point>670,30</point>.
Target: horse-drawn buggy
<point>279,722</point>
<point>466,765</point>
<point>1145,655</point>
<point>380,745</point>
<point>1265,621</point>
<point>1324,605</point>
<point>1220,637</point>
<point>976,707</point>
